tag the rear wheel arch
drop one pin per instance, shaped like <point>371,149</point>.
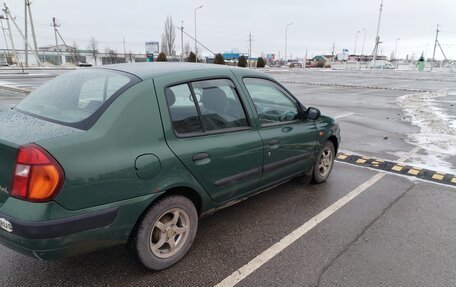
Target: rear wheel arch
<point>185,191</point>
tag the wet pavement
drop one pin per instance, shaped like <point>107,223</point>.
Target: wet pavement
<point>399,231</point>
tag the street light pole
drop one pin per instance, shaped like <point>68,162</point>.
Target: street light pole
<point>395,49</point>
<point>196,51</point>
<point>286,39</point>
<point>356,42</point>
<point>182,40</point>
<point>364,41</point>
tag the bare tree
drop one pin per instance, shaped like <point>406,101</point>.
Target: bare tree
<point>93,48</point>
<point>112,55</point>
<point>168,37</point>
<point>130,56</point>
<point>187,49</point>
<point>75,54</point>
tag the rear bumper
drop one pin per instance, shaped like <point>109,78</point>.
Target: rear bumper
<point>61,227</point>
<point>73,232</point>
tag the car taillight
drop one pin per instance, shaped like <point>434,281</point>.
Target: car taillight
<point>37,175</point>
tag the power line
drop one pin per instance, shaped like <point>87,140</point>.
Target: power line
<point>198,42</point>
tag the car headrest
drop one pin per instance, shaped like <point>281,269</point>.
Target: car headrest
<point>170,97</point>
<point>214,99</point>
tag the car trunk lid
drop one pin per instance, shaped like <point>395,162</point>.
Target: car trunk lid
<point>17,129</point>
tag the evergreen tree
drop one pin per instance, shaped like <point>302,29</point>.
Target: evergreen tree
<point>191,57</point>
<point>219,60</point>
<point>242,62</point>
<point>162,57</point>
<point>260,63</point>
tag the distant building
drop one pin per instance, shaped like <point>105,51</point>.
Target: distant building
<point>53,48</point>
<point>318,61</point>
<point>69,56</point>
<point>234,56</point>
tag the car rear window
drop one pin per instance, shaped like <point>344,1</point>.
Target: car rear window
<point>78,98</point>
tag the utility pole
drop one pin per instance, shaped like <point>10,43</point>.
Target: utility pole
<point>7,15</point>
<point>55,25</point>
<point>23,38</point>
<point>26,33</point>
<point>377,37</point>
<point>305,61</point>
<point>250,47</point>
<point>332,53</point>
<point>125,51</point>
<point>356,41</point>
<point>436,41</point>
<point>182,40</point>
<point>67,48</point>
<point>364,41</point>
<point>4,36</point>
<point>32,26</point>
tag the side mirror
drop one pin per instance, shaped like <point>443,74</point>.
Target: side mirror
<point>313,113</point>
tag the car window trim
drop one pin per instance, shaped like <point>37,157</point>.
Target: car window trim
<point>198,109</point>
<point>221,131</point>
<point>209,133</point>
<point>281,123</point>
<point>284,91</point>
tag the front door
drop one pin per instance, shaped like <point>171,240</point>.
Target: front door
<point>212,135</point>
<point>289,140</point>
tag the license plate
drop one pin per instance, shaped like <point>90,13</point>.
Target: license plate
<point>6,225</point>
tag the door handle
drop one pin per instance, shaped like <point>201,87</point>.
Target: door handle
<point>274,142</point>
<point>200,156</point>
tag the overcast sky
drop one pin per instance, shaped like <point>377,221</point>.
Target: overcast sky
<point>225,25</point>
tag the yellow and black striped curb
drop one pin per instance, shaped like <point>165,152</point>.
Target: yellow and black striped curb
<point>398,168</point>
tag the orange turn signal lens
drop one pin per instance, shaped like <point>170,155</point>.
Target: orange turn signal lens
<point>43,182</point>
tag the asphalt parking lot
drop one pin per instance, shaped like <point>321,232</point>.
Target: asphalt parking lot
<point>364,227</point>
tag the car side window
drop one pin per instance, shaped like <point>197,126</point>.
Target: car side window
<point>220,105</point>
<point>271,103</point>
<point>183,112</point>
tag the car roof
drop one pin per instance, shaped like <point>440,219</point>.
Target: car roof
<point>150,70</point>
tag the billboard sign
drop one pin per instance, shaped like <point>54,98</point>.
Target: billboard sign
<point>152,48</point>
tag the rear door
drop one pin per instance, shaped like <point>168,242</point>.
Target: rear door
<point>289,141</point>
<point>210,130</point>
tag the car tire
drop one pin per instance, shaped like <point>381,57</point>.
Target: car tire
<point>165,233</point>
<point>324,163</point>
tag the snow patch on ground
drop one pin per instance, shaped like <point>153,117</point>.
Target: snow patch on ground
<point>437,136</point>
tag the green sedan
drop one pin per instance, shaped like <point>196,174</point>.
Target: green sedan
<point>135,153</point>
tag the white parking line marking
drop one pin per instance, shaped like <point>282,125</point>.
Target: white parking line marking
<point>410,153</point>
<point>346,115</point>
<point>275,249</point>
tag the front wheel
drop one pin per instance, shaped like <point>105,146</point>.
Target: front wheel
<point>166,232</point>
<point>324,163</point>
